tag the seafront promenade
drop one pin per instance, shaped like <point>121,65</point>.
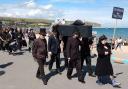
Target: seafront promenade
<point>19,73</point>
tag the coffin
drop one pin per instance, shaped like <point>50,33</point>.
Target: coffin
<point>67,30</point>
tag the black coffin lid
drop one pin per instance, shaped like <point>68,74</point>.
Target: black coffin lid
<point>67,30</point>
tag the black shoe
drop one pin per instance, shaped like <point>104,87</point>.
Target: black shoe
<point>114,76</point>
<point>44,81</point>
<point>92,75</point>
<point>39,77</point>
<point>117,86</point>
<point>82,81</point>
<point>9,53</point>
<point>69,77</point>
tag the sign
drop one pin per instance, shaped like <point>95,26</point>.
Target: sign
<point>117,13</point>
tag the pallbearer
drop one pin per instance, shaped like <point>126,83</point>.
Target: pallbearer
<point>86,43</point>
<point>73,55</point>
<point>54,49</point>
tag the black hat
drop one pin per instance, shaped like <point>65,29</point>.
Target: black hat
<point>78,23</point>
<point>31,29</point>
<point>103,37</point>
<point>42,31</point>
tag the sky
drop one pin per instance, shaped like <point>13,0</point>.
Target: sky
<point>99,11</point>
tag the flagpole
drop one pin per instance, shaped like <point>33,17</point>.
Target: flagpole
<point>115,27</point>
<point>114,33</point>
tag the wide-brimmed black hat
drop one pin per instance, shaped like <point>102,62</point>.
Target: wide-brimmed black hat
<point>103,37</point>
<point>42,31</point>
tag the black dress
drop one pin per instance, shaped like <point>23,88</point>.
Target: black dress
<point>103,66</point>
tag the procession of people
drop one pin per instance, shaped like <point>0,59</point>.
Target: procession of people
<point>76,50</point>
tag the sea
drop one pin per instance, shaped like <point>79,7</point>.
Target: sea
<point>119,32</point>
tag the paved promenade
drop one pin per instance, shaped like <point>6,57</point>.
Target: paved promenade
<point>19,73</point>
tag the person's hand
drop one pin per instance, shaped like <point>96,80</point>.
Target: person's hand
<point>50,53</point>
<point>105,47</point>
<point>69,58</point>
<point>106,53</point>
<point>80,38</point>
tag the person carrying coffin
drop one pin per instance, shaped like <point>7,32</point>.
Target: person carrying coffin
<point>54,50</point>
<point>86,54</point>
<point>73,55</point>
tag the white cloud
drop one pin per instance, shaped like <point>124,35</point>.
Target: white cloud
<point>30,4</point>
<point>28,9</point>
<point>47,7</point>
<point>73,1</point>
<point>34,12</point>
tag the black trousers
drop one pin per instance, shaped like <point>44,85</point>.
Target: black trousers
<point>6,46</point>
<point>19,44</point>
<point>1,45</point>
<point>40,71</point>
<point>55,58</point>
<point>65,58</point>
<point>88,63</point>
<point>75,63</point>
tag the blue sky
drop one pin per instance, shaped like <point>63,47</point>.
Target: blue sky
<point>99,11</point>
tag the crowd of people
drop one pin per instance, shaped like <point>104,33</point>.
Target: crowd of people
<point>76,50</point>
<point>118,42</point>
<point>14,39</point>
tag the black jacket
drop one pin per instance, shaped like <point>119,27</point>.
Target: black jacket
<point>85,49</point>
<point>54,45</point>
<point>73,48</point>
<point>39,49</point>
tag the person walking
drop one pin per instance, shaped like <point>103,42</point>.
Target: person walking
<point>86,54</point>
<point>32,37</point>
<point>54,50</point>
<point>104,69</point>
<point>73,55</point>
<point>39,52</point>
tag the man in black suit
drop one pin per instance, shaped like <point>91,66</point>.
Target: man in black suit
<point>54,50</point>
<point>73,55</point>
<point>85,54</point>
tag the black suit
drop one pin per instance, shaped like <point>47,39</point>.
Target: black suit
<point>54,48</point>
<point>73,52</point>
<point>65,39</point>
<point>85,54</point>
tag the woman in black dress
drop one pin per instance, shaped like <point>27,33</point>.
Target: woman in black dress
<point>104,67</point>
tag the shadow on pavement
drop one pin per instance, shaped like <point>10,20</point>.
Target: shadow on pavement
<point>2,73</point>
<point>18,53</point>
<point>53,73</point>
<point>6,65</point>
